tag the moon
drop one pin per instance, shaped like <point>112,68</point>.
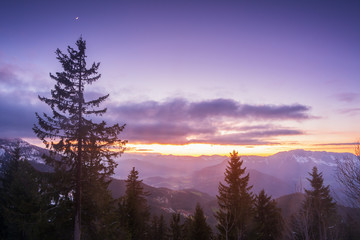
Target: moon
<point>77,18</point>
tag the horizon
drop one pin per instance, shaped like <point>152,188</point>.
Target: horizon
<point>38,143</point>
<point>194,78</point>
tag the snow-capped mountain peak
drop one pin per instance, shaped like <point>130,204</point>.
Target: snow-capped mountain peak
<point>28,151</point>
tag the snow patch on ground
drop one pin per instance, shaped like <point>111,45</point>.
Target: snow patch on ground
<point>317,161</point>
<point>23,144</point>
<point>35,159</point>
<point>324,163</point>
<point>301,159</point>
<point>2,151</point>
<point>34,151</point>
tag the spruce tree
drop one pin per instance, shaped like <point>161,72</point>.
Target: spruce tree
<point>235,201</point>
<point>200,230</point>
<point>134,210</point>
<point>316,219</point>
<point>267,218</point>
<point>24,203</point>
<point>187,228</point>
<point>83,145</point>
<point>321,205</point>
<point>158,228</point>
<point>175,231</point>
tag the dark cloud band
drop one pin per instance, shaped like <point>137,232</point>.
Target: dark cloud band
<point>180,109</point>
<point>177,121</point>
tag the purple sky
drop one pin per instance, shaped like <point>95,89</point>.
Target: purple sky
<point>265,73</point>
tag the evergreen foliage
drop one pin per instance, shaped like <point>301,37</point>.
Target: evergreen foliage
<point>267,218</point>
<point>81,151</point>
<point>158,229</point>
<point>23,201</point>
<point>133,208</point>
<point>317,217</point>
<point>235,201</point>
<point>175,231</point>
<point>200,229</point>
<point>187,228</point>
<point>196,227</point>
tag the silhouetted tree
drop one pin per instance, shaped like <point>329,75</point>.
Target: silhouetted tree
<point>267,218</point>
<point>200,230</point>
<point>23,201</point>
<point>134,210</point>
<point>158,228</point>
<point>83,145</point>
<point>235,201</point>
<point>348,175</point>
<point>316,219</point>
<point>196,227</point>
<point>98,213</point>
<point>187,228</point>
<point>175,231</point>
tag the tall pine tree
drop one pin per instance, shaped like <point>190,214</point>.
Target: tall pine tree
<point>196,227</point>
<point>235,201</point>
<point>200,230</point>
<point>267,218</point>
<point>83,145</point>
<point>316,219</point>
<point>158,228</point>
<point>134,210</point>
<point>175,230</point>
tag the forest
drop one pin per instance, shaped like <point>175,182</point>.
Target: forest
<point>73,200</point>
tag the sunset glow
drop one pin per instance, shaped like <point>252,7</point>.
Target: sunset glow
<point>224,150</point>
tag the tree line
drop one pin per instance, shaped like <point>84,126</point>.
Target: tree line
<point>74,202</point>
<point>33,206</point>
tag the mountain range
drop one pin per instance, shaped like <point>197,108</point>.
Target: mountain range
<point>279,174</point>
<point>177,184</point>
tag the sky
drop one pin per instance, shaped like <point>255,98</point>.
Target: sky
<point>194,77</point>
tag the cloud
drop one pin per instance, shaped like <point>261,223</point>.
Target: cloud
<point>26,78</point>
<point>162,133</point>
<point>152,111</point>
<point>182,110</point>
<point>338,144</point>
<point>347,97</point>
<point>19,100</point>
<point>17,117</point>
<point>214,108</point>
<point>350,111</point>
<point>231,108</point>
<point>217,121</point>
<point>7,75</point>
<point>175,121</point>
<point>247,138</point>
<point>280,112</point>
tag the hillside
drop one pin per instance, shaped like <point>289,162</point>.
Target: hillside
<point>201,185</point>
<point>290,204</point>
<point>166,201</point>
<point>207,180</point>
<point>280,174</point>
<point>161,200</point>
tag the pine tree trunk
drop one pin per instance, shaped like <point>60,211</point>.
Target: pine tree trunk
<point>77,227</point>
<point>77,232</point>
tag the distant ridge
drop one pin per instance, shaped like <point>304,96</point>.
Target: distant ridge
<point>279,174</point>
